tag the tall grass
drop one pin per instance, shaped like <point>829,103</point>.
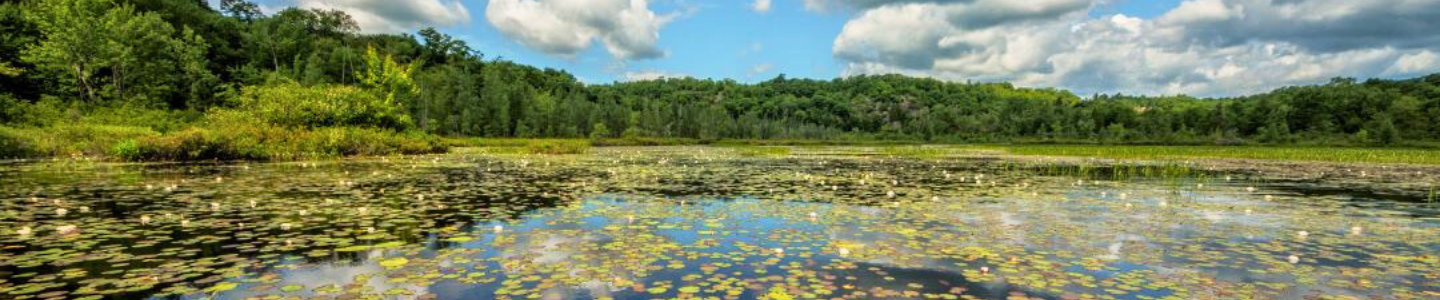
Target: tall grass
<point>754,151</point>
<point>916,152</point>
<point>531,146</point>
<point>1323,154</point>
<point>66,139</point>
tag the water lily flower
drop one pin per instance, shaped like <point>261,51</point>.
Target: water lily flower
<point>1356,230</point>
<point>844,252</point>
<point>25,231</point>
<point>145,220</point>
<point>67,229</point>
<point>61,211</point>
<point>984,270</point>
<point>1294,259</point>
<point>499,228</point>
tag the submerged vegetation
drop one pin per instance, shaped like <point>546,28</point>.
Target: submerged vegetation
<point>181,80</point>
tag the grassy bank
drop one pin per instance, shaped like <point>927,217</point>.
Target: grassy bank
<point>526,146</point>
<point>1320,154</point>
<point>282,122</point>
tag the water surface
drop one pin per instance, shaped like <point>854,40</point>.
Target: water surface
<point>696,224</point>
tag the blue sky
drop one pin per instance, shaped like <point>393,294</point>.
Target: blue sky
<point>1197,47</point>
<point>707,40</point>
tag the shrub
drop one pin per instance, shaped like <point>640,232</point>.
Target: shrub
<point>294,105</point>
<point>126,150</point>
<point>264,142</point>
<point>12,145</point>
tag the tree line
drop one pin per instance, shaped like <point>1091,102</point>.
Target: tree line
<point>183,55</point>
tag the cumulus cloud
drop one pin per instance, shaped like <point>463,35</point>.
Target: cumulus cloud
<point>1201,47</point>
<point>627,28</point>
<point>761,6</point>
<point>1415,64</point>
<point>649,75</point>
<point>385,16</point>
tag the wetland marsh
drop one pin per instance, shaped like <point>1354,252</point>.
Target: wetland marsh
<point>714,223</point>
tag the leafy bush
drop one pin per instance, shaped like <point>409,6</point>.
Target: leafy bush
<point>260,142</point>
<point>136,116</point>
<point>294,105</point>
<point>21,114</point>
<point>12,145</point>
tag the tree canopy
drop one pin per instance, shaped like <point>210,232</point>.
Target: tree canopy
<point>186,55</point>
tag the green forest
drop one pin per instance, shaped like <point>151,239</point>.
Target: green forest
<point>180,80</point>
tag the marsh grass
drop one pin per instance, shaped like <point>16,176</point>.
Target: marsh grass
<point>531,146</point>
<point>921,152</point>
<point>1433,197</point>
<point>1322,154</point>
<point>757,151</point>
<point>60,140</point>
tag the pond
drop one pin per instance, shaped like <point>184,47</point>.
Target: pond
<point>698,223</point>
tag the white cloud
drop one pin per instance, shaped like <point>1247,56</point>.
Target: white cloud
<point>760,69</point>
<point>384,16</point>
<point>627,28</point>
<point>1202,47</point>
<point>1415,64</point>
<point>761,6</point>
<point>649,75</point>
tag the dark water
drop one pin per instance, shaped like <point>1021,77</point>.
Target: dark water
<point>659,224</point>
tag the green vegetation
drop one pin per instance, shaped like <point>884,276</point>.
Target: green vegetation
<point>761,151</point>
<point>1324,154</point>
<point>531,146</point>
<point>180,80</point>
<point>915,151</point>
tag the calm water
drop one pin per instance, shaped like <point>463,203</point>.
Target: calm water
<point>695,224</point>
